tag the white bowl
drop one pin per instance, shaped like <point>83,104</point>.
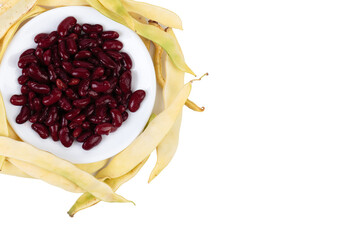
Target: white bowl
<point>142,72</point>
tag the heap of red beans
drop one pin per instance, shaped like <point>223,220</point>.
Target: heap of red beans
<point>76,84</point>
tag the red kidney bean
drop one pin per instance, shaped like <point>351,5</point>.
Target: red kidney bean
<point>63,52</point>
<point>81,103</point>
<point>94,61</point>
<point>60,84</point>
<point>95,120</point>
<point>52,73</point>
<point>86,125</point>
<point>67,66</point>
<point>47,56</point>
<point>65,138</point>
<point>115,55</point>
<point>49,40</point>
<point>72,114</point>
<point>80,73</point>
<point>104,100</point>
<point>87,43</point>
<point>125,116</point>
<point>55,56</point>
<point>62,75</point>
<point>31,96</point>
<point>113,81</point>
<point>30,51</point>
<point>103,129</point>
<point>135,100</point>
<point>92,142</point>
<point>125,81</point>
<point>39,54</point>
<point>71,46</point>
<point>54,131</point>
<point>37,74</point>
<point>83,88</point>
<point>84,54</point>
<point>66,25</point>
<point>53,116</point>
<point>83,64</point>
<point>97,73</point>
<point>24,115</point>
<point>83,136</point>
<point>95,50</point>
<point>25,90</point>
<point>39,37</point>
<point>116,117</point>
<point>109,35</point>
<point>22,80</point>
<point>43,115</point>
<point>89,110</point>
<point>41,130</point>
<point>77,29</point>
<point>39,88</point>
<point>127,62</point>
<point>93,94</point>
<point>53,97</point>
<point>122,108</point>
<point>74,81</point>
<point>36,104</point>
<point>25,72</point>
<point>71,94</point>
<point>27,60</point>
<point>100,86</point>
<point>34,118</point>
<point>73,125</point>
<point>79,119</point>
<point>77,131</point>
<point>93,35</point>
<point>114,45</point>
<point>106,60</point>
<point>18,100</point>
<point>101,111</point>
<point>64,122</point>
<point>73,36</point>
<point>65,104</point>
<point>87,28</point>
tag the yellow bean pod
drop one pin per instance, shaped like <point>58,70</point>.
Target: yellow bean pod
<point>12,133</point>
<point>147,141</point>
<point>62,3</point>
<point>10,148</point>
<point>156,13</point>
<point>4,131</point>
<point>10,169</point>
<point>92,167</point>
<point>117,7</point>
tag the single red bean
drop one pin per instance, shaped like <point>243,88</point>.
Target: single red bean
<point>92,142</point>
<point>103,129</point>
<point>79,119</point>
<point>83,64</point>
<point>80,73</point>
<point>39,53</point>
<point>41,130</point>
<point>109,35</point>
<point>47,57</point>
<point>60,84</point>
<point>83,88</point>
<point>74,81</point>
<point>93,94</point>
<point>122,108</point>
<point>71,46</point>
<point>93,35</point>
<point>87,43</point>
<point>83,136</point>
<point>67,66</point>
<point>81,103</point>
<point>65,104</point>
<point>34,118</point>
<point>63,52</point>
<point>87,28</point>
<point>37,74</point>
<point>125,116</point>
<point>77,29</point>
<point>52,73</point>
<point>30,51</point>
<point>25,72</point>
<point>27,60</point>
<point>49,40</point>
<point>73,36</point>
<point>18,100</point>
<point>72,114</point>
<point>115,55</point>
<point>135,100</point>
<point>89,110</point>
<point>84,54</point>
<point>39,37</point>
<point>24,115</point>
<point>77,131</point>
<point>22,80</point>
<point>71,94</point>
<point>73,125</point>
<point>39,88</point>
<point>98,72</point>
<point>65,138</point>
<point>104,100</point>
<point>25,90</point>
<point>66,25</point>
<point>64,122</point>
<point>125,81</point>
<point>53,97</point>
<point>86,125</point>
<point>127,62</point>
<point>112,45</point>
<point>36,104</point>
<point>54,131</point>
<point>116,117</point>
<point>52,116</point>
<point>106,60</point>
<point>100,86</point>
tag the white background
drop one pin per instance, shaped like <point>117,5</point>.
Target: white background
<point>275,155</point>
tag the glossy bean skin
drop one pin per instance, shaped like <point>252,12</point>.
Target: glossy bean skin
<point>77,131</point>
<point>36,105</point>
<point>71,94</point>
<point>38,88</point>
<point>83,88</point>
<point>71,46</point>
<point>83,136</point>
<point>52,117</point>
<point>116,117</point>
<point>39,37</point>
<point>109,35</point>
<point>49,40</point>
<point>39,52</point>
<point>100,86</point>
<point>86,125</point>
<point>24,115</point>
<point>54,131</point>
<point>24,90</point>
<point>43,115</point>
<point>64,122</point>
<point>84,54</point>
<point>41,130</point>
<point>22,80</point>
<point>125,116</point>
<point>77,29</point>
<point>104,100</point>
<point>91,142</point>
<point>52,73</point>
<point>47,57</point>
<point>115,55</point>
<point>37,74</point>
<point>55,56</point>
<point>103,129</point>
<point>87,43</point>
<point>62,75</point>
<point>74,82</point>
<point>89,110</point>
<point>106,60</point>
<point>112,45</point>
<point>34,118</point>
<point>60,84</point>
<point>80,73</point>
<point>63,52</point>
<point>83,64</point>
<point>126,60</point>
<point>97,73</point>
<point>87,28</point>
<point>52,98</point>
<point>135,100</point>
<point>65,138</point>
<point>67,66</point>
<point>79,118</point>
<point>81,103</point>
<point>25,61</point>
<point>72,114</point>
<point>125,82</point>
<point>65,104</point>
<point>73,125</point>
<point>18,100</point>
<point>66,25</point>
